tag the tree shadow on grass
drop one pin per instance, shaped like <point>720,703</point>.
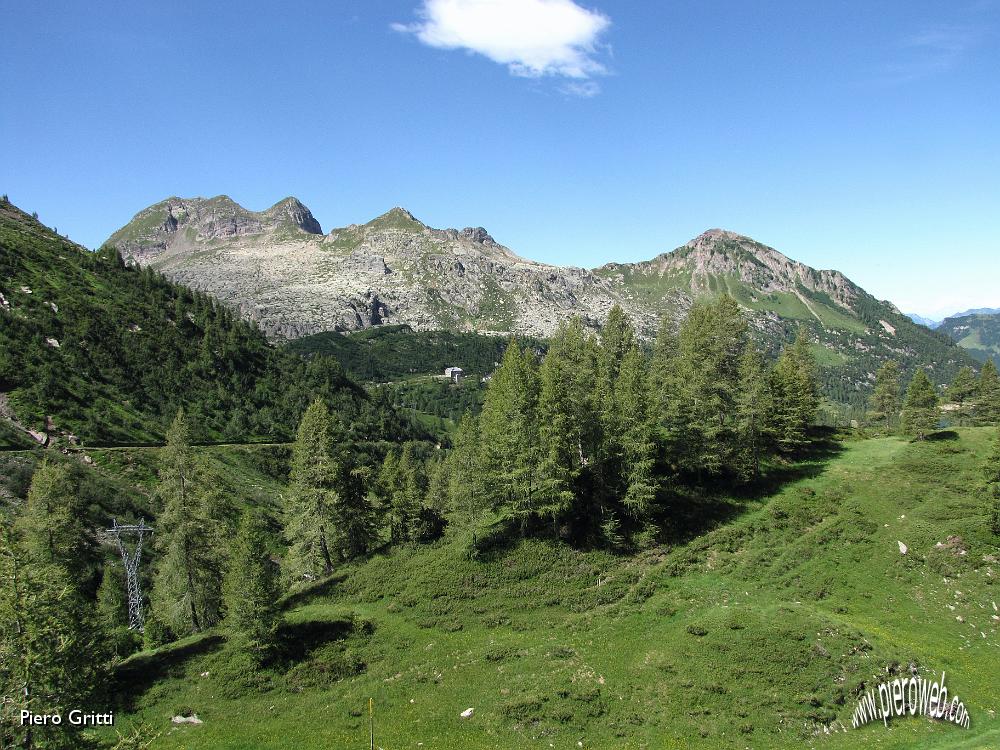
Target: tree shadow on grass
<point>297,639</point>
<point>311,590</point>
<point>694,511</point>
<point>137,674</point>
<point>942,436</point>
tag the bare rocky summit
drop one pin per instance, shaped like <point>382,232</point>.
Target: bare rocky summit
<point>278,268</point>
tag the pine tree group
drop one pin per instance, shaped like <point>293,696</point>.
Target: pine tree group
<point>589,442</point>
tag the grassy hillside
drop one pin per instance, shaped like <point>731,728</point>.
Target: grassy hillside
<point>756,633</point>
<point>851,344</point>
<point>978,334</point>
<point>111,352</point>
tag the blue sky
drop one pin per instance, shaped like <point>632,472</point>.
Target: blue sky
<point>862,136</point>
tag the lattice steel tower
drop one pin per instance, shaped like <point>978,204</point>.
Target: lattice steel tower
<point>135,620</point>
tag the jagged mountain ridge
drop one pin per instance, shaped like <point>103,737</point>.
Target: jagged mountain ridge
<point>278,269</point>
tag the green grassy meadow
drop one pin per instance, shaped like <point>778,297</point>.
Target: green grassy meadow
<point>754,634</point>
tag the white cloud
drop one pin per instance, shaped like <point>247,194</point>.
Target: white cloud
<point>533,38</point>
<point>929,52</point>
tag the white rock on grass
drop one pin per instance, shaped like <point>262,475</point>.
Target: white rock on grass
<point>902,547</point>
<point>187,720</point>
<point>467,713</point>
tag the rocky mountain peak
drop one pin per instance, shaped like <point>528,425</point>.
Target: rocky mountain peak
<point>478,235</point>
<point>397,218</point>
<point>291,211</point>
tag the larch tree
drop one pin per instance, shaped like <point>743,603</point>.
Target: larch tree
<point>51,523</point>
<point>638,437</point>
<point>754,413</point>
<point>465,488</point>
<point>508,435</point>
<point>569,429</point>
<point>885,397</point>
<point>988,395</point>
<point>187,584</point>
<point>796,400</point>
<point>251,590</point>
<point>920,410</point>
<point>991,475</point>
<point>702,431</point>
<point>962,394</point>
<point>50,657</point>
<point>311,499</point>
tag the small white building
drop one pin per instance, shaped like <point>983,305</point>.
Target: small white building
<point>455,373</point>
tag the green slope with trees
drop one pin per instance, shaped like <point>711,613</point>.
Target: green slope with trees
<point>111,352</point>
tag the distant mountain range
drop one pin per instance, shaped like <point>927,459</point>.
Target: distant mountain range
<point>277,267</point>
<point>932,324</point>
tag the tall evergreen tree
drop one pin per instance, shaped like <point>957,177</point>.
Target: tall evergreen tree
<point>701,427</point>
<point>251,590</point>
<point>50,660</point>
<point>920,410</point>
<point>112,607</point>
<point>310,504</point>
<point>408,489</point>
<point>51,523</point>
<point>991,473</point>
<point>187,584</point>
<point>465,488</point>
<point>507,457</point>
<point>885,397</point>
<point>638,438</point>
<point>962,394</point>
<point>663,371</point>
<point>796,400</point>
<point>754,412</point>
<point>569,429</point>
<point>610,471</point>
<point>988,395</point>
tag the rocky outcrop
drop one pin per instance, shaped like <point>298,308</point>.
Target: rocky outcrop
<point>276,268</point>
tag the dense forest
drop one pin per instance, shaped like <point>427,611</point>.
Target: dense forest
<point>392,352</point>
<point>111,352</point>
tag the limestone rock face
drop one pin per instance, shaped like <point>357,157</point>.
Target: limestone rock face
<point>277,268</point>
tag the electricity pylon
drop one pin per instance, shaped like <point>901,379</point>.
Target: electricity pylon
<point>135,619</point>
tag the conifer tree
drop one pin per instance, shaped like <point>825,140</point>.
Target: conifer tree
<point>251,590</point>
<point>112,608</point>
<point>507,456</point>
<point>50,660</point>
<point>962,394</point>
<point>920,411</point>
<point>357,522</point>
<point>617,338</point>
<point>638,442</point>
<point>409,487</point>
<point>663,367</point>
<point>793,384</point>
<point>187,584</point>
<point>754,412</point>
<point>991,473</point>
<point>465,488</point>
<point>568,424</point>
<point>701,427</point>
<point>310,504</point>
<point>112,612</point>
<point>988,395</point>
<point>885,397</point>
<point>51,524</point>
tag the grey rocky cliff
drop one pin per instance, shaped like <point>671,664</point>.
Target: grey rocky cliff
<point>276,268</point>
